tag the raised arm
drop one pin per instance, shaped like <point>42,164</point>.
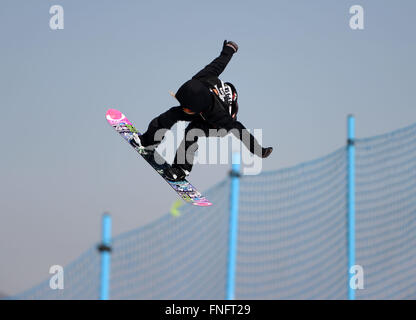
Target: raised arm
<point>217,66</point>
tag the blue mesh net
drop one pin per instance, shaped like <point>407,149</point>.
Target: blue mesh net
<point>81,281</point>
<point>386,214</point>
<point>292,241</point>
<point>181,257</point>
<point>292,236</point>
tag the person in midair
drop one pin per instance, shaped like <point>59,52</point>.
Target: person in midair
<point>207,103</point>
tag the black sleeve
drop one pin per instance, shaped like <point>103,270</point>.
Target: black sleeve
<point>220,119</point>
<point>250,142</point>
<point>217,66</point>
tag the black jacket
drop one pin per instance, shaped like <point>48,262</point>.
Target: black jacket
<point>204,93</point>
<point>198,95</point>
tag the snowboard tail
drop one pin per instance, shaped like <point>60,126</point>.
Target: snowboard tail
<point>183,188</point>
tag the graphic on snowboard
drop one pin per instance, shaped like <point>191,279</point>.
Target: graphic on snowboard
<point>126,129</point>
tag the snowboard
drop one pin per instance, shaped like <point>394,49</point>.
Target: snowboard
<point>183,188</point>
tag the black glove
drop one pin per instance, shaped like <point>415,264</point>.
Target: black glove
<point>230,44</point>
<point>265,152</point>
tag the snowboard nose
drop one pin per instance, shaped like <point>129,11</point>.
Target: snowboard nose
<point>114,114</point>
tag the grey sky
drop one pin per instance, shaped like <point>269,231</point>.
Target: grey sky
<point>300,71</point>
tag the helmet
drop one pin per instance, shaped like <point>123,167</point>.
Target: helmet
<point>234,101</point>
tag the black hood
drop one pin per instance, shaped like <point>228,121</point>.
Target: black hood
<point>194,95</point>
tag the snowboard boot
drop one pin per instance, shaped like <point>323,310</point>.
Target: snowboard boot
<point>176,173</point>
<point>266,152</point>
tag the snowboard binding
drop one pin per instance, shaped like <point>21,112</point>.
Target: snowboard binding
<point>137,144</point>
<point>175,173</point>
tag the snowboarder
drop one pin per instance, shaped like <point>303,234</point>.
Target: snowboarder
<point>207,103</point>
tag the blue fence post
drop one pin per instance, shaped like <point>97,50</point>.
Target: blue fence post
<point>105,251</point>
<point>351,202</point>
<point>233,229</point>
